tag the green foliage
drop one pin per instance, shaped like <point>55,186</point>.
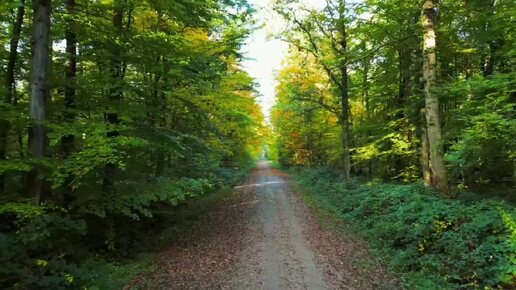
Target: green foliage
<point>156,112</point>
<point>303,132</point>
<point>435,243</point>
<point>487,144</point>
<point>53,248</point>
<point>475,86</point>
<point>37,249</point>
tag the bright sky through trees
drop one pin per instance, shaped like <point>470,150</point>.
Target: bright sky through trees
<point>265,53</point>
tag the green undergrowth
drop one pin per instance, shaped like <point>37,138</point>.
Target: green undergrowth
<point>432,242</point>
<point>52,247</point>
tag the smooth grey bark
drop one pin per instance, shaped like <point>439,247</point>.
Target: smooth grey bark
<point>40,90</point>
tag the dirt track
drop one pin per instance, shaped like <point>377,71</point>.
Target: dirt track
<point>264,237</point>
<point>279,257</point>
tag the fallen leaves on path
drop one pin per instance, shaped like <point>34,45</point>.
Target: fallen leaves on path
<point>226,248</point>
<point>206,257</point>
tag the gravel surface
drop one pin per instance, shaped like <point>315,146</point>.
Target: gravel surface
<point>265,237</point>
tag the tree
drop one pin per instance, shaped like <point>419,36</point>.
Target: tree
<point>300,124</point>
<point>308,35</point>
<point>432,109</point>
<point>115,92</point>
<point>344,94</point>
<point>67,141</point>
<point>394,69</point>
<point>40,91</point>
<point>149,108</point>
<point>10,82</point>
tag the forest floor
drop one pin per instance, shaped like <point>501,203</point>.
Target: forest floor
<point>264,236</point>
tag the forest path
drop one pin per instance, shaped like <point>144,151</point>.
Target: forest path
<point>264,237</point>
<point>279,256</point>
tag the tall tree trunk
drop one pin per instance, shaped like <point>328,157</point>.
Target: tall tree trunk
<point>425,154</point>
<point>67,142</point>
<point>433,120</point>
<point>155,116</point>
<point>40,90</point>
<point>404,91</point>
<point>115,93</point>
<point>13,54</point>
<point>365,88</point>
<point>488,58</point>
<point>10,83</point>
<point>345,107</point>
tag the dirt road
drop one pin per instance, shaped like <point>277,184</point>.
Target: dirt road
<point>279,256</point>
<point>265,237</point>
